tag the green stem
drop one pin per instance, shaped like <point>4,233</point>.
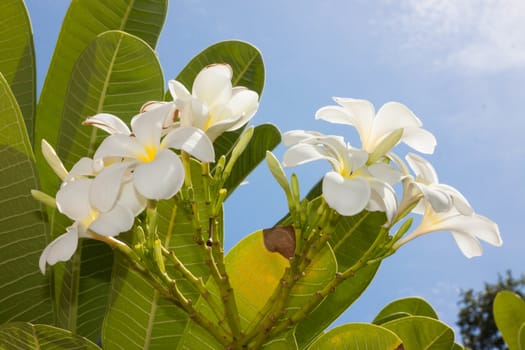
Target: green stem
<point>197,283</point>
<point>219,274</point>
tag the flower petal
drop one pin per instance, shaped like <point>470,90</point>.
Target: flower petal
<point>84,167</point>
<point>117,220</point>
<point>469,246</point>
<point>363,112</point>
<point>439,200</point>
<point>109,123</point>
<point>422,168</point>
<point>419,139</point>
<point>459,201</point>
<point>478,226</point>
<point>336,115</point>
<point>213,85</point>
<point>160,178</point>
<point>243,105</point>
<point>346,196</point>
<point>303,153</point>
<point>147,127</point>
<point>118,145</point>
<point>105,188</point>
<point>191,140</point>
<point>193,113</point>
<point>73,199</point>
<point>383,198</point>
<point>392,116</point>
<point>178,90</point>
<point>61,249</point>
<point>295,136</point>
<point>385,173</point>
<point>131,199</point>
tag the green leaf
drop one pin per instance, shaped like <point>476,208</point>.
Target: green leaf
<point>26,336</point>
<point>353,236</point>
<point>509,314</point>
<point>412,306</point>
<point>421,332</point>
<point>521,337</point>
<point>115,74</point>
<point>84,21</point>
<point>358,336</point>
<point>265,138</point>
<point>138,317</point>
<point>17,59</point>
<point>255,273</point>
<point>24,292</point>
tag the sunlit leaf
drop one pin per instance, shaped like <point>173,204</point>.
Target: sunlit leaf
<point>17,59</point>
<point>412,306</point>
<point>115,74</point>
<point>509,315</point>
<point>24,292</point>
<point>84,21</point>
<point>26,336</point>
<point>421,332</point>
<point>358,336</point>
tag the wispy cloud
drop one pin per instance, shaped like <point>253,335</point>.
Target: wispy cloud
<point>478,35</point>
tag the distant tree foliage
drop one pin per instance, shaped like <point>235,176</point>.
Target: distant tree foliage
<point>475,319</point>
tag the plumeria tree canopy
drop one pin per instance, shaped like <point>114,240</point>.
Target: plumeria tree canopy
<point>121,205</point>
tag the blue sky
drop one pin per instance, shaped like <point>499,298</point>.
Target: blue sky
<point>459,65</point>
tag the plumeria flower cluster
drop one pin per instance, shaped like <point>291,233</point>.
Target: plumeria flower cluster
<point>363,178</point>
<point>132,166</point>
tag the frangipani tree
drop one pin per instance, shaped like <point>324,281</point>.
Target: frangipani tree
<point>123,246</point>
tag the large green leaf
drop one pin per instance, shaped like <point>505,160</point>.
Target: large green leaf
<point>358,336</point>
<point>421,332</point>
<point>26,336</point>
<point>24,292</point>
<point>509,314</point>
<point>84,21</point>
<point>138,317</point>
<point>351,239</point>
<point>412,306</point>
<point>17,57</point>
<point>115,74</point>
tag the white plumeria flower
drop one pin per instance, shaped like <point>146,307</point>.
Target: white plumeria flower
<point>213,105</point>
<point>351,186</point>
<point>73,200</point>
<point>466,230</point>
<point>440,196</point>
<point>378,132</point>
<point>157,172</point>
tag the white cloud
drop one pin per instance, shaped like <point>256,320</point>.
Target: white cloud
<point>481,35</point>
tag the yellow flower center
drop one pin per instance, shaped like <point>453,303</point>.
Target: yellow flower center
<point>150,152</point>
<point>93,215</point>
